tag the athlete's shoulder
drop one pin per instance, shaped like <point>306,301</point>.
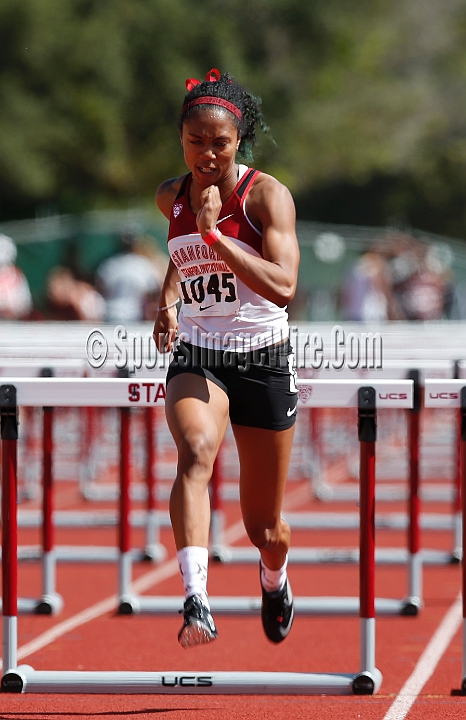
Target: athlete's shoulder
<point>264,181</point>
<point>267,190</point>
<point>166,194</point>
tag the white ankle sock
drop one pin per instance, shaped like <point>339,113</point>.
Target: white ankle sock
<point>273,580</point>
<point>193,562</point>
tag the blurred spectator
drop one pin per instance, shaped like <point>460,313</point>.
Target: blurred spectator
<point>420,282</point>
<point>15,296</point>
<point>130,281</point>
<point>72,299</point>
<point>399,278</point>
<point>367,292</point>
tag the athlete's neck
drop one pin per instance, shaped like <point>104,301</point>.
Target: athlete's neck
<point>226,186</point>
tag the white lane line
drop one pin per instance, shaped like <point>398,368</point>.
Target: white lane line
<point>149,579</point>
<point>427,663</point>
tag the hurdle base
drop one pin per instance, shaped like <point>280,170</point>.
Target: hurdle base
<point>367,683</point>
<point>13,682</point>
<point>25,679</point>
<point>411,606</point>
<point>49,605</point>
<point>129,605</point>
<point>220,553</point>
<point>46,605</point>
<point>463,686</point>
<point>154,553</point>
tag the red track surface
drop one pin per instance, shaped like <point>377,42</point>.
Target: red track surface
<point>112,642</point>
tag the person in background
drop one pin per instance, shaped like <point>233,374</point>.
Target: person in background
<point>420,282</point>
<point>72,299</point>
<point>15,295</point>
<point>129,280</point>
<point>367,292</point>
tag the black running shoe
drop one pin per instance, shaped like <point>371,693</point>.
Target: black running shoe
<point>277,613</point>
<point>199,626</point>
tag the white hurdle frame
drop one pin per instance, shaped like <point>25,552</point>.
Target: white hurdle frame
<point>419,371</point>
<point>152,520</point>
<point>452,394</point>
<point>50,602</point>
<point>125,393</point>
<point>413,556</point>
<point>320,393</point>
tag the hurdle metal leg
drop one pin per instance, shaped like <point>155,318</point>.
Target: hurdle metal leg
<point>414,602</point>
<point>367,431</point>
<point>9,436</point>
<point>124,529</point>
<point>457,503</point>
<point>50,602</point>
<point>154,550</point>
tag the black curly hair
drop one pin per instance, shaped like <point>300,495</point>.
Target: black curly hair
<point>228,89</point>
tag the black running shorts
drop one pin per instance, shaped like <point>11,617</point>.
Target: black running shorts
<point>261,384</point>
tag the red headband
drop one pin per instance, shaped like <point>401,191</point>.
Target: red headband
<point>210,100</point>
<point>212,76</point>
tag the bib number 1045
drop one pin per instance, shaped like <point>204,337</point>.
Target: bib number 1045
<point>214,294</point>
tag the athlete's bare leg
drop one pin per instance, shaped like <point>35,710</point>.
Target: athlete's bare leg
<point>264,460</point>
<point>197,415</point>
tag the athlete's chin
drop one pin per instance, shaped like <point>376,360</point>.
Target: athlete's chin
<point>207,178</point>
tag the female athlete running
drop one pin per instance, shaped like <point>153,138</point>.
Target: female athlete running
<point>233,263</point>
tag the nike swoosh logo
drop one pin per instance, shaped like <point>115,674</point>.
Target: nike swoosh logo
<point>224,218</point>
<point>291,412</point>
<point>206,307</point>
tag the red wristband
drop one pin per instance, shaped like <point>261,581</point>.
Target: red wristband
<point>212,236</point>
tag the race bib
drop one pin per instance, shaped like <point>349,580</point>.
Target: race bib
<point>211,294</point>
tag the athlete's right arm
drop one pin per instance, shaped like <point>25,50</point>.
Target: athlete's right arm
<point>166,322</point>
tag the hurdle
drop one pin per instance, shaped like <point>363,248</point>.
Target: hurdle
<point>73,553</point>
<point>391,370</point>
<point>320,393</point>
<point>448,394</point>
<point>452,394</point>
<point>151,520</point>
<point>412,520</point>
<point>50,602</point>
<point>125,394</point>
<point>412,557</point>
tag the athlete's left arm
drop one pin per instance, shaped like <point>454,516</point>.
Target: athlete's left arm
<point>274,276</point>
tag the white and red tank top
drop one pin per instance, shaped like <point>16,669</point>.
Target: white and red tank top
<point>218,310</point>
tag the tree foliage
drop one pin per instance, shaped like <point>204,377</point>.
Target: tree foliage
<point>90,92</point>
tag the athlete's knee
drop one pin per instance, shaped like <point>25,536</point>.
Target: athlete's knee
<point>265,537</point>
<point>196,450</point>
